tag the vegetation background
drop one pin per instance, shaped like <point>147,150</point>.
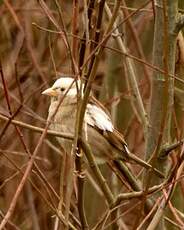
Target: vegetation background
<point>132,53</point>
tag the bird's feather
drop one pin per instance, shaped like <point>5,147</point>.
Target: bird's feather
<point>105,141</point>
<point>95,116</point>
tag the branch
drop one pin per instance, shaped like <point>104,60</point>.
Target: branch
<point>132,76</point>
<point>101,180</point>
<point>167,149</point>
<point>35,128</point>
<point>135,194</point>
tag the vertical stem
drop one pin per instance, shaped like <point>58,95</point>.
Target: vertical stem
<point>162,84</point>
<point>162,91</point>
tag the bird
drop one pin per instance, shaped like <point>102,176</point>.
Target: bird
<point>105,141</point>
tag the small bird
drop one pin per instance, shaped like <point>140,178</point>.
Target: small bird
<point>106,143</point>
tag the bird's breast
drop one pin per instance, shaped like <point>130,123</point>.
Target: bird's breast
<point>64,119</point>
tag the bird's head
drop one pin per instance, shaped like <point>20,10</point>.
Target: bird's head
<point>61,86</point>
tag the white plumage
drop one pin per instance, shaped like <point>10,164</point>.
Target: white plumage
<point>105,141</point>
<point>97,123</point>
<point>95,116</point>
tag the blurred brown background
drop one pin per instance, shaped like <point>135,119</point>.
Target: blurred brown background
<point>33,54</point>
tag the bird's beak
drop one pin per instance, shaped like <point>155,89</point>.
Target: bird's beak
<point>50,92</point>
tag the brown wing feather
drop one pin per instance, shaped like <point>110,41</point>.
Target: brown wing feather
<point>116,139</point>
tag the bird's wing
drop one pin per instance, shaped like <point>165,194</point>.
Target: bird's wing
<point>116,139</point>
<point>97,117</point>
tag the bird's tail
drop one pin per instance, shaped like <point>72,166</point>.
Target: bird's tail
<point>144,164</point>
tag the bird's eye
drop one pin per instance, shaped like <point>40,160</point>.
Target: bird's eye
<point>62,89</point>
